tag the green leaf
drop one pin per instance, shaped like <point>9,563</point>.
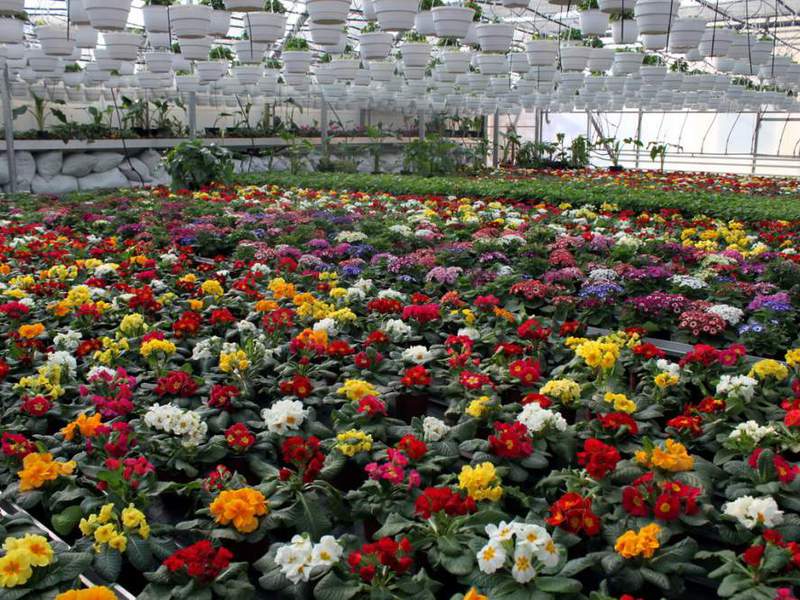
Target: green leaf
<point>108,564</point>
<point>66,520</point>
<point>657,579</point>
<point>139,553</point>
<point>332,587</point>
<point>558,585</point>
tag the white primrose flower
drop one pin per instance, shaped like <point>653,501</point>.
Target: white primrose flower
<point>502,532</point>
<point>523,570</point>
<point>434,429</point>
<point>537,419</point>
<point>284,415</point>
<point>751,431</point>
<point>750,511</point>
<point>417,354</point>
<point>491,557</point>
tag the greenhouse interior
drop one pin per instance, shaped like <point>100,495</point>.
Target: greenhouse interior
<point>399,300</point>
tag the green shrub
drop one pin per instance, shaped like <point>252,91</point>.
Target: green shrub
<point>192,165</point>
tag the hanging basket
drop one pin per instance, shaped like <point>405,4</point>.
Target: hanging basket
<point>327,11</point>
<point>111,15</point>
<point>244,5</point>
<point>593,22</point>
<point>220,23</point>
<point>264,26</point>
<point>12,31</point>
<point>123,45</point>
<point>541,53</point>
<point>494,37</point>
<point>375,45</point>
<point>452,21</point>
<point>624,31</point>
<point>190,20</point>
<point>196,48</point>
<point>415,54</point>
<point>156,18</point>
<point>395,15</point>
<point>250,51</point>
<point>296,61</point>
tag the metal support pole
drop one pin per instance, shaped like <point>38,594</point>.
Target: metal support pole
<point>192,115</point>
<point>755,143</point>
<point>8,121</point>
<point>421,124</point>
<point>638,136</point>
<point>323,125</point>
<point>496,139</point>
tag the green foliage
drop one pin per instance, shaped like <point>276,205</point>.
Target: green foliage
<point>429,4</point>
<point>432,156</point>
<point>585,5</point>
<point>296,43</point>
<point>192,165</point>
<point>274,6</point>
<point>221,53</point>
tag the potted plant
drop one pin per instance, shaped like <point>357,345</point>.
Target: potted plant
<point>716,41</point>
<point>326,35</point>
<point>267,26</point>
<point>186,82</point>
<point>296,56</point>
<point>248,51</point>
<point>196,48</point>
<point>327,11</point>
<point>155,14</point>
<point>55,40</point>
<point>158,62</point>
<point>593,20</point>
<point>494,37</point>
<point>615,6</point>
<point>220,18</point>
<point>623,27</point>
<point>123,45</point>
<point>541,52</point>
<point>415,51</point>
<point>395,15</point>
<point>456,60</point>
<point>374,43</point>
<point>107,14</point>
<point>423,20</point>
<point>655,16</point>
<point>627,63</point>
<point>73,75</point>
<point>85,36</point>
<point>685,34</point>
<point>243,5</point>
<point>190,20</point>
<point>600,59</point>
<point>490,63</point>
<point>574,52</point>
<point>453,21</point>
<point>12,27</point>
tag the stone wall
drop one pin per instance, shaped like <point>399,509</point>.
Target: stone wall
<point>61,172</point>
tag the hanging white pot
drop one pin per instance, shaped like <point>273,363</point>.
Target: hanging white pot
<point>325,35</point>
<point>685,34</point>
<point>518,63</point>
<point>149,81</point>
<point>187,83</point>
<point>693,54</point>
<point>104,61</point>
<point>73,79</point>
<point>54,40</point>
<point>414,73</point>
<point>375,45</point>
<point>247,74</point>
<point>264,26</point>
<point>179,63</point>
<point>92,94</point>
<point>381,70</point>
<point>77,14</point>
<point>210,70</point>
<point>220,23</point>
<point>423,23</point>
<point>600,59</point>
<point>75,94</point>
<point>190,20</point>
<point>456,61</point>
<point>494,37</point>
<point>327,11</point>
<point>395,15</point>
<point>593,22</point>
<point>107,14</point>
<point>716,41</point>
<point>12,52</point>
<point>492,64</point>
<point>624,31</point>
<point>12,31</point>
<point>159,41</point>
<point>196,48</point>
<point>626,63</point>
<point>12,6</point>
<point>655,16</point>
<point>452,21</point>
<point>156,18</point>
<point>654,41</point>
<point>324,74</point>
<point>85,36</point>
<point>345,68</point>
<point>40,62</point>
<point>248,51</point>
<point>574,58</point>
<point>652,74</point>
<point>615,6</point>
<point>296,61</point>
<point>760,52</point>
<point>541,53</point>
<point>244,5</point>
<point>542,76</point>
<point>158,62</point>
<point>123,45</point>
<point>415,54</point>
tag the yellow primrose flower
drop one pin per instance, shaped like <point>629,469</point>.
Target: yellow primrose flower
<point>664,380</point>
<point>164,347</point>
<point>479,407</point>
<point>565,390</point>
<point>356,389</point>
<point>621,402</point>
<point>212,287</point>
<point>769,368</point>
<point>353,441</point>
<point>642,543</point>
<point>230,362</point>
<point>481,482</point>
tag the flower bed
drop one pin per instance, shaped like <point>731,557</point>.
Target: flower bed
<point>288,393</point>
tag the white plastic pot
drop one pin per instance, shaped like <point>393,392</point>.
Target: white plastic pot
<point>85,36</point>
<point>653,16</point>
<point>415,54</point>
<point>516,3</point>
<point>156,18</point>
<point>626,63</point>
<point>381,70</point>
<point>123,45</point>
<point>518,63</point>
<point>107,14</point>
<point>159,41</point>
<point>73,79</point>
<point>686,34</point>
<point>452,21</point>
<point>12,31</point>
<point>158,62</point>
<point>456,61</point>
<point>541,53</point>
<point>593,22</point>
<point>716,41</point>
<point>247,74</point>
<point>196,48</point>
<point>492,64</point>
<point>187,83</point>
<point>575,58</point>
<point>179,63</point>
<point>244,5</point>
<point>77,14</point>
<point>211,70</point>
<point>104,61</point>
<point>296,61</point>
<point>375,45</point>
<point>250,52</point>
<point>220,23</point>
<point>326,35</point>
<point>345,69</point>
<point>600,59</point>
<point>494,37</point>
<point>190,20</point>
<point>654,41</point>
<point>264,26</point>
<point>12,6</point>
<point>327,11</point>
<point>624,31</point>
<point>414,73</point>
<point>395,15</point>
<point>652,74</point>
<point>423,23</point>
<point>615,6</point>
